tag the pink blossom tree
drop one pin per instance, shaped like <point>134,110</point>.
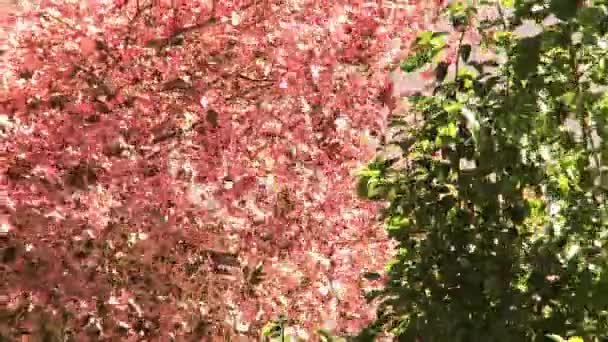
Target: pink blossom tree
<point>183,168</point>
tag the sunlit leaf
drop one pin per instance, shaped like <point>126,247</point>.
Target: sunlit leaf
<point>555,338</point>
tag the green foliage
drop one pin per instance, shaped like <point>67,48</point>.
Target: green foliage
<point>428,46</point>
<point>499,204</point>
<point>273,330</point>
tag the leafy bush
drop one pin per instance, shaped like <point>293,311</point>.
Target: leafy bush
<point>498,197</point>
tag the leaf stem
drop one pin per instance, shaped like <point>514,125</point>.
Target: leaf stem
<point>580,113</point>
<point>505,26</point>
<point>458,54</point>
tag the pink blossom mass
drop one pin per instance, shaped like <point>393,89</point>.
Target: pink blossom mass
<point>185,168</point>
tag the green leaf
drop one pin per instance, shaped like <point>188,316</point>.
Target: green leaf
<point>371,275</point>
<point>568,98</point>
<point>563,183</point>
<point>449,130</point>
<point>555,338</point>
<point>438,42</point>
<point>441,71</point>
<point>453,107</point>
<point>465,52</point>
<point>575,339</point>
<point>362,187</point>
<point>424,37</point>
<point>507,3</point>
<point>413,62</point>
<point>271,329</point>
<point>374,189</point>
<point>591,16</point>
<point>459,21</point>
<point>368,173</point>
<point>564,9</point>
<point>527,57</point>
<point>328,337</point>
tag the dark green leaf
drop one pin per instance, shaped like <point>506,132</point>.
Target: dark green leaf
<point>325,336</point>
<point>371,275</point>
<point>441,71</point>
<point>528,56</point>
<point>465,52</point>
<point>415,62</point>
<point>564,9</point>
<point>591,16</point>
<point>362,188</point>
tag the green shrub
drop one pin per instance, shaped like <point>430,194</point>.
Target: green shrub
<point>498,199</point>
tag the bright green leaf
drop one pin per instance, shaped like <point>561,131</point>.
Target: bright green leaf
<point>424,37</point>
<point>563,183</point>
<point>568,98</point>
<point>438,42</point>
<point>507,3</point>
<point>453,107</point>
<point>368,173</point>
<point>575,339</point>
<point>449,130</point>
<point>271,329</point>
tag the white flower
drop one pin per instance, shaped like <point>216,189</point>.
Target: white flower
<point>235,18</point>
<point>204,101</point>
<point>4,228</point>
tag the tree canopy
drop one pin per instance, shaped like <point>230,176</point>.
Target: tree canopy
<point>170,166</point>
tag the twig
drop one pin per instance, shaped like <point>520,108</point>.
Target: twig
<point>581,114</point>
<point>71,26</point>
<point>503,18</point>
<point>245,77</point>
<point>458,54</point>
<point>505,26</point>
<point>245,92</point>
<point>194,27</point>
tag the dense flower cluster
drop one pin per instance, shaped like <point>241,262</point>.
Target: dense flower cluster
<point>184,167</point>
